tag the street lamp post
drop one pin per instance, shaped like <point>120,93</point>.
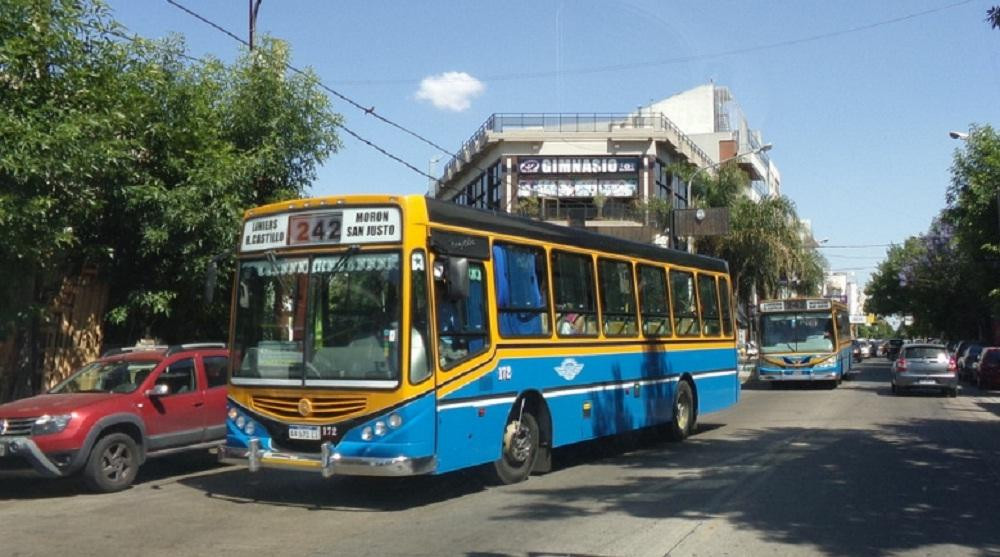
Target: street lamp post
<point>762,149</point>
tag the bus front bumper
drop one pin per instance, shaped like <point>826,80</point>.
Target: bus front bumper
<point>328,462</point>
<point>796,375</point>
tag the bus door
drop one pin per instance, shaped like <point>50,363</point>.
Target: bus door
<point>462,345</point>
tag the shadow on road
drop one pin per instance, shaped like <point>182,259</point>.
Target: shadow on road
<point>26,485</point>
<point>844,492</point>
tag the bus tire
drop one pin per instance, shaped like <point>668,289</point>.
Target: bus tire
<point>682,421</point>
<point>519,450</point>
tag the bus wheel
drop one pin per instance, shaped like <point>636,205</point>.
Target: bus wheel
<point>520,450</point>
<point>682,421</point>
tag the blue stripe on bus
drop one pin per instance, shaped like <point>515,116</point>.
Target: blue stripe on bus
<point>471,420</point>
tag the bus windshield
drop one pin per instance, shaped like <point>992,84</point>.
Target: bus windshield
<point>796,332</point>
<point>330,318</point>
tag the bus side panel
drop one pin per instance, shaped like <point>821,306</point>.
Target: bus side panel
<point>588,396</point>
<point>469,435</point>
<point>717,389</point>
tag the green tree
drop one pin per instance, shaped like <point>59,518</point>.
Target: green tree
<point>127,156</point>
<point>766,245</point>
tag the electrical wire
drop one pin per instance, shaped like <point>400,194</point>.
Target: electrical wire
<point>341,125</point>
<point>680,59</point>
<point>368,110</point>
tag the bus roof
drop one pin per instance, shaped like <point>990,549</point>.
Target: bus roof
<point>445,212</point>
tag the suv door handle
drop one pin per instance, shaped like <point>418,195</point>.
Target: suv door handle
<point>197,404</point>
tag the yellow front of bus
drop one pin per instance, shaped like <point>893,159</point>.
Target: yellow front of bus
<point>329,328</point>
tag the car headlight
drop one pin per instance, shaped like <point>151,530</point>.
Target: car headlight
<point>50,424</point>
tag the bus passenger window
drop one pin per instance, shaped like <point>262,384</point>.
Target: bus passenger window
<point>653,302</point>
<point>727,307</point>
<point>462,326</point>
<point>573,290</point>
<point>522,290</point>
<point>708,295</point>
<point>683,297</point>
<point>617,298</point>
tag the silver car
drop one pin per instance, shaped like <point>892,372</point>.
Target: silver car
<point>925,366</point>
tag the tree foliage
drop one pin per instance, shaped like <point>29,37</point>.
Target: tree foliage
<point>766,245</point>
<point>129,156</point>
<point>949,278</point>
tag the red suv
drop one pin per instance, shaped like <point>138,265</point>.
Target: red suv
<point>109,416</point>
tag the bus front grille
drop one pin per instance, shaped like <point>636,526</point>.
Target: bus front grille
<point>323,407</point>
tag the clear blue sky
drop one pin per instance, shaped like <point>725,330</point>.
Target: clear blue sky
<point>859,118</point>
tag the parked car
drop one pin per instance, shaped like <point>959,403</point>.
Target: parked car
<point>925,366</point>
<point>987,370</point>
<point>966,360</point>
<point>108,417</point>
<point>892,347</point>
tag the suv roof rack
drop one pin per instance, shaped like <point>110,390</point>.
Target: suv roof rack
<point>126,349</point>
<point>193,346</point>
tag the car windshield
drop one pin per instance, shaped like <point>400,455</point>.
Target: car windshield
<point>796,332</point>
<point>329,318</point>
<point>106,377</point>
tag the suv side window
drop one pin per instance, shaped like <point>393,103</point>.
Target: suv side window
<point>215,370</point>
<point>179,377</point>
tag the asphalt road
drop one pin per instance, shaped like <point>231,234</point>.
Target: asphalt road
<point>851,471</point>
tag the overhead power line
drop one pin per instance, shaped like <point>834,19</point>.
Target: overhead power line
<point>368,110</point>
<point>349,131</point>
<point>679,59</point>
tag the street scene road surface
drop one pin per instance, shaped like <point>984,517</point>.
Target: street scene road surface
<point>788,471</point>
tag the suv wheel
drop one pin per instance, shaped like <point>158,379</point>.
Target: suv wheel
<point>113,463</point>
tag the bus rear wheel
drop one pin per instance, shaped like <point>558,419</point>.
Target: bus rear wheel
<point>519,450</point>
<point>682,422</point>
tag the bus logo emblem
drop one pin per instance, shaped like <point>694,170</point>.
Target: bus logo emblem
<point>305,407</point>
<point>569,369</point>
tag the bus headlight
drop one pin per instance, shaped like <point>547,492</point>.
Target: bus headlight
<point>249,428</point>
<point>828,363</point>
<point>395,420</point>
<point>366,433</point>
<point>240,421</point>
<point>380,428</point>
<point>233,414</point>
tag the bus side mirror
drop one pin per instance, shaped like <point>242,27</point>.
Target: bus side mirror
<point>454,272</point>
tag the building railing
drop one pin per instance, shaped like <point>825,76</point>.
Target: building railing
<point>569,123</point>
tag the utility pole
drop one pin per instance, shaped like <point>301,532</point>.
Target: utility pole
<point>254,8</point>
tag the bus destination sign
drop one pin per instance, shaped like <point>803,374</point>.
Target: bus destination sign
<point>341,226</point>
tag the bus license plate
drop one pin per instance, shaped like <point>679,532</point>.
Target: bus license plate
<point>304,432</point>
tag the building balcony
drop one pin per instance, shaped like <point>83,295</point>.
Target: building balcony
<point>541,126</point>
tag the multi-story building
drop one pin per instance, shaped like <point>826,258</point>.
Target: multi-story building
<point>608,172</point>
<point>712,118</point>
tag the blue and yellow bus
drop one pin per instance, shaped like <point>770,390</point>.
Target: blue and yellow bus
<point>804,339</point>
<point>400,335</point>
